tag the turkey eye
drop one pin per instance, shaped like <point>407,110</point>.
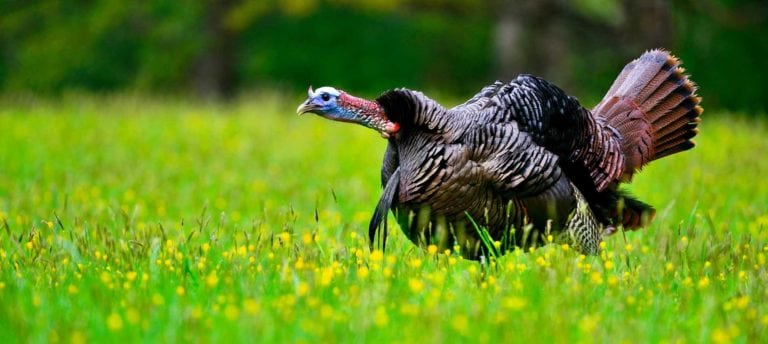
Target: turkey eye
<point>325,97</point>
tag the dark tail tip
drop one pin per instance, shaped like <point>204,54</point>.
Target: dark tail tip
<point>635,214</point>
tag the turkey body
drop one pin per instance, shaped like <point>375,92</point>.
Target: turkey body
<point>523,160</point>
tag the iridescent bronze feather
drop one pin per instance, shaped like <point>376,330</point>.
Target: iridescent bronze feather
<point>522,160</point>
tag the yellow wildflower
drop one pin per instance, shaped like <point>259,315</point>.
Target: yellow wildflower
<point>720,335</point>
<point>742,302</point>
<point>377,256</point>
<point>381,318</point>
<point>415,285</point>
<point>460,323</point>
<point>631,300</point>
<point>77,338</point>
<point>196,312</point>
<point>302,289</point>
<point>541,261</point>
<point>212,280</point>
<point>326,276</point>
<point>588,323</point>
<point>158,299</point>
<point>362,272</point>
<point>514,303</point>
<point>688,282</point>
<point>703,282</point>
<point>613,280</point>
<point>326,312</point>
<point>114,322</point>
<point>596,278</point>
<point>250,306</point>
<point>132,315</point>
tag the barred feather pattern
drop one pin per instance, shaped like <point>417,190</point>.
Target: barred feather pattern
<point>582,229</point>
<point>489,160</point>
<point>560,124</point>
<point>654,107</point>
<point>523,159</point>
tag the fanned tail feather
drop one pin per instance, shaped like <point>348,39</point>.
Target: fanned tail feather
<point>654,107</point>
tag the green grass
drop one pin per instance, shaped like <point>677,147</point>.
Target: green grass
<point>126,218</point>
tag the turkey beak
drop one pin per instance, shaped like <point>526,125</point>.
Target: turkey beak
<point>307,105</point>
<point>304,107</point>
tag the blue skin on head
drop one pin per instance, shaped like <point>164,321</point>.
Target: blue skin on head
<point>324,102</point>
<point>336,105</point>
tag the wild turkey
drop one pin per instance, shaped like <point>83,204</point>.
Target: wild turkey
<point>521,160</point>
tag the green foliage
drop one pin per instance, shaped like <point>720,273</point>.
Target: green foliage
<point>51,46</point>
<point>366,52</point>
<point>108,45</point>
<point>603,10</point>
<point>725,45</point>
<point>140,219</point>
<point>54,46</point>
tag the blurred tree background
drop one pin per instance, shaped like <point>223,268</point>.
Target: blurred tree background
<point>218,48</point>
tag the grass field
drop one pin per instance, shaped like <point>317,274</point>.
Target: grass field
<point>126,218</point>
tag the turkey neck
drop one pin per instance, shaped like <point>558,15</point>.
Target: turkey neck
<point>368,113</point>
<point>363,107</point>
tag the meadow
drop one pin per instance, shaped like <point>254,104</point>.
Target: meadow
<point>129,218</point>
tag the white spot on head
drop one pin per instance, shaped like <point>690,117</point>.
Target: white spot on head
<point>327,89</point>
